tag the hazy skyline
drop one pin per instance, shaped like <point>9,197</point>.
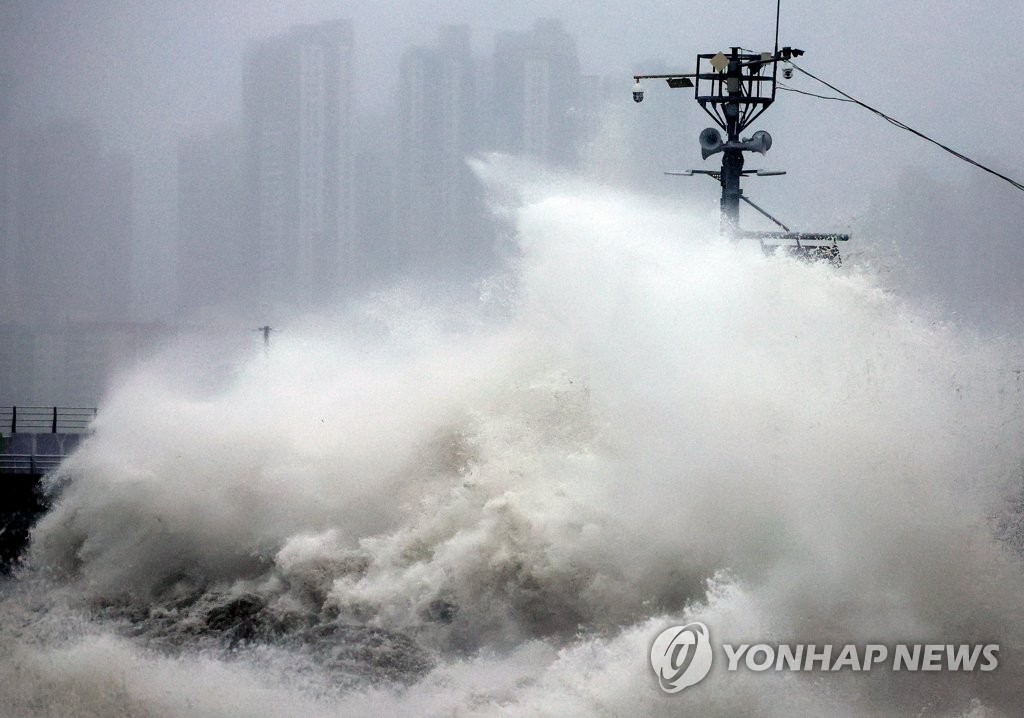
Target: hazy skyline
<point>439,487</point>
<point>149,73</point>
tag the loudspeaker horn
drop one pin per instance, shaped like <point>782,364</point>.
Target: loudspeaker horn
<point>760,141</point>
<point>710,142</point>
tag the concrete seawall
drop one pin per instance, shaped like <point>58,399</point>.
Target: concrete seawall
<point>24,460</point>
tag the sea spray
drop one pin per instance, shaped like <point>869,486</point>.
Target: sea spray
<point>419,506</point>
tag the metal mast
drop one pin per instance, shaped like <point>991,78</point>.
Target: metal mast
<point>735,89</point>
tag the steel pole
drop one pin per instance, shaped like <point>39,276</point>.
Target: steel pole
<point>732,159</point>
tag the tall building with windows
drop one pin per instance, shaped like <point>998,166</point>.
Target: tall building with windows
<point>68,227</point>
<point>536,91</point>
<point>438,114</point>
<point>216,266</point>
<point>7,183</point>
<point>297,112</point>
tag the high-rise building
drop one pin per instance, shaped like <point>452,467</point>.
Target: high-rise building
<point>70,235</point>
<point>535,84</point>
<point>377,252</point>
<point>7,184</point>
<point>298,106</point>
<point>217,267</point>
<point>439,197</point>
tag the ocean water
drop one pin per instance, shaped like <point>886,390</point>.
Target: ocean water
<point>432,506</point>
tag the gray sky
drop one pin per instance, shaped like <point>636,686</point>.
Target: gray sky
<point>150,66</point>
<point>149,71</point>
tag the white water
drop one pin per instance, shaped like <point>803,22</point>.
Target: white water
<point>639,425</point>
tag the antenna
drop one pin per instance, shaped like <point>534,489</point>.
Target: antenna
<point>735,89</point>
<point>778,11</point>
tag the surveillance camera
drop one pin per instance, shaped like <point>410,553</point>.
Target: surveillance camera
<point>787,72</point>
<point>638,92</point>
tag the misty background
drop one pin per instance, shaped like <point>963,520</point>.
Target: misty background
<point>209,167</point>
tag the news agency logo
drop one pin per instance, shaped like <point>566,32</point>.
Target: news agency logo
<point>681,656</point>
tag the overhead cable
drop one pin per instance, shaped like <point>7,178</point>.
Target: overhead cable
<point>902,126</point>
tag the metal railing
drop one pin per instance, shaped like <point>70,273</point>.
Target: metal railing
<point>45,419</point>
<point>29,463</point>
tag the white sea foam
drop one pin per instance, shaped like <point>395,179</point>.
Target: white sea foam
<point>641,424</point>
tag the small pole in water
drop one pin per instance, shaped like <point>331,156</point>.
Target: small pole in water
<point>266,329</point>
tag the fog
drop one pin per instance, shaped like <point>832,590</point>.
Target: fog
<point>516,406</point>
<point>130,153</point>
